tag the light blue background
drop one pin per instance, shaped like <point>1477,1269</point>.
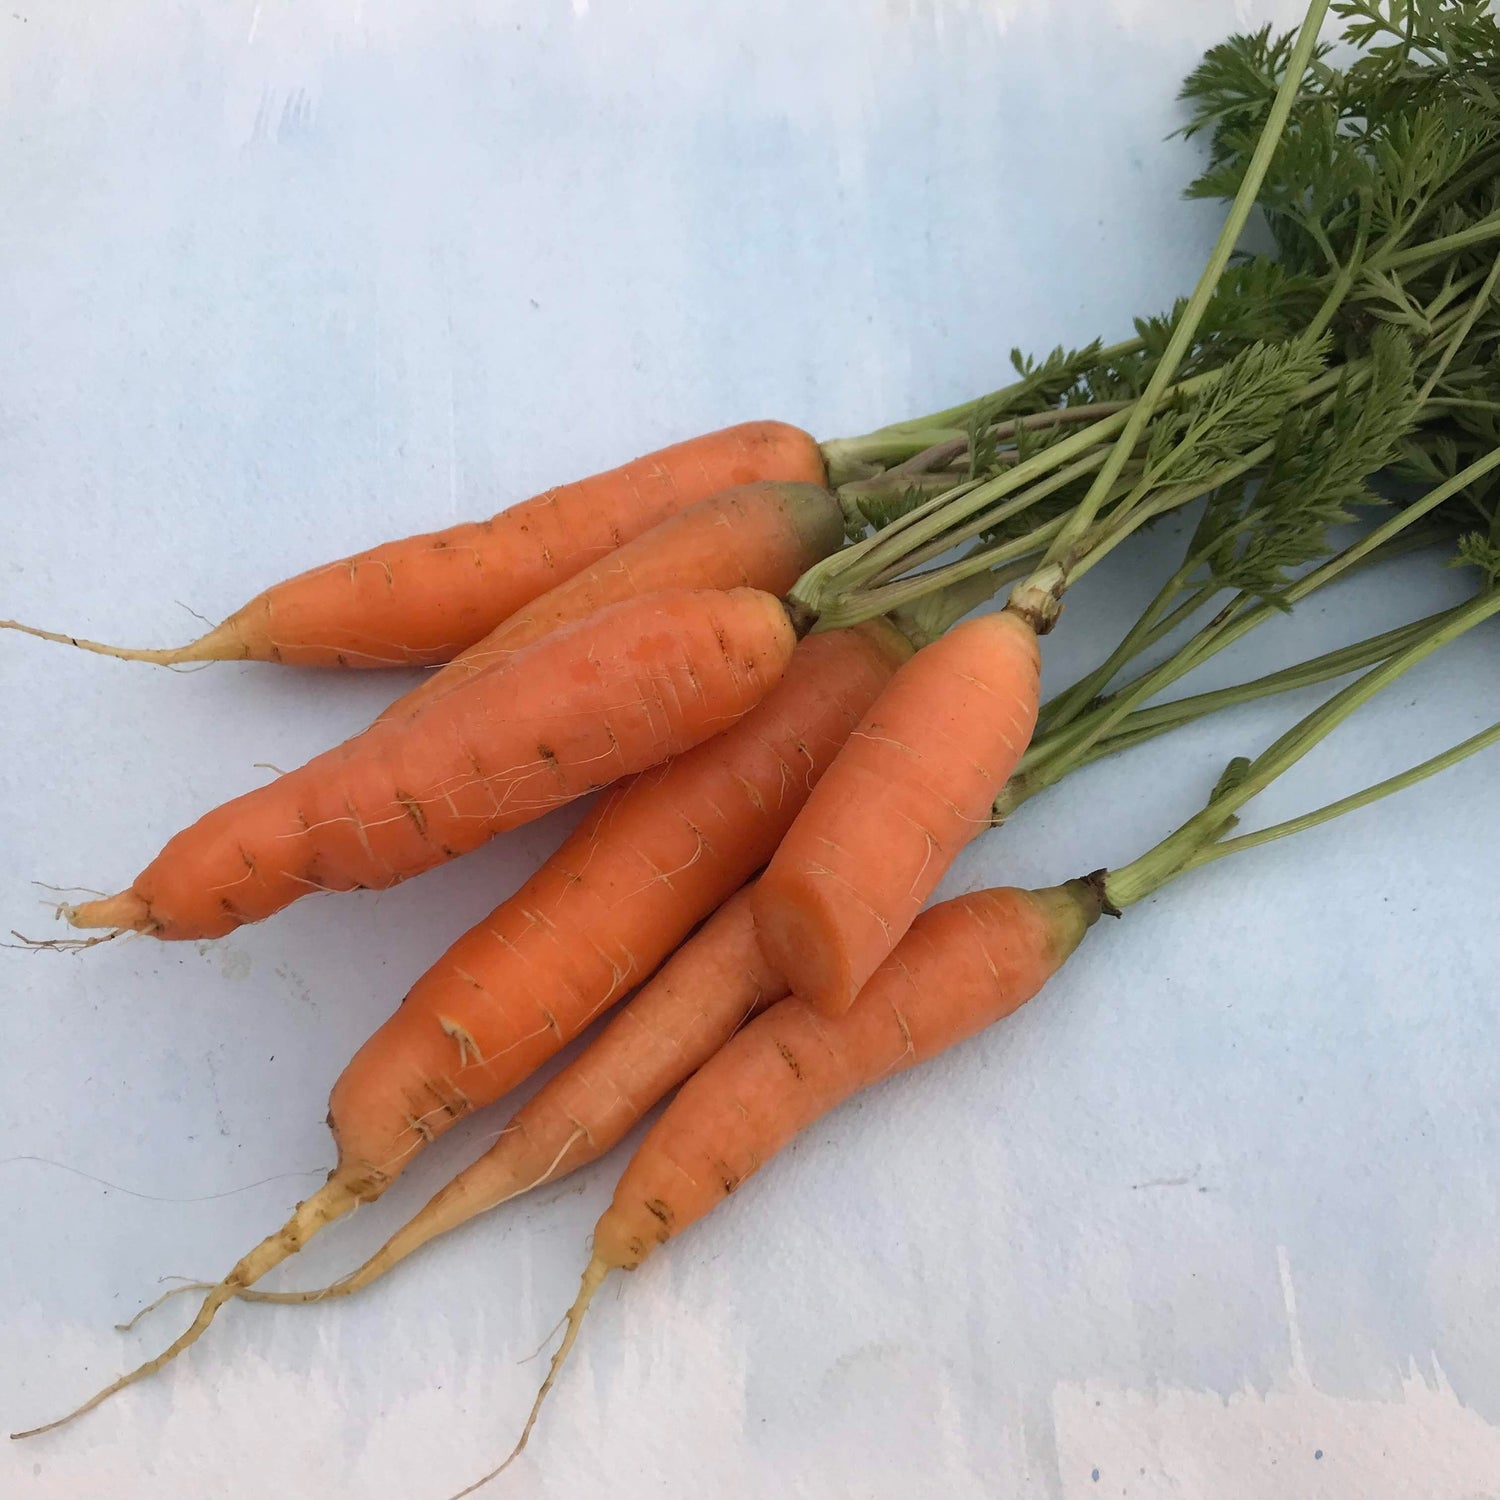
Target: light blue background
<point>277,280</point>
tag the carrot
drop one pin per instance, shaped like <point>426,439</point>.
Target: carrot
<point>423,599</point>
<point>698,999</point>
<point>650,861</point>
<point>910,789</point>
<point>754,536</point>
<point>963,965</point>
<point>607,696</point>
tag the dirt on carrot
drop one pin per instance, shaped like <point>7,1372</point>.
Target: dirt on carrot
<point>421,600</point>
<point>600,699</point>
<point>913,785</point>
<point>761,536</point>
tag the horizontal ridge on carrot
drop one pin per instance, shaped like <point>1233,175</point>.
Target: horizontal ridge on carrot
<point>421,600</point>
<point>829,912</point>
<point>962,966</point>
<point>694,1003</point>
<point>914,784</point>
<point>624,889</point>
<point>762,536</point>
<point>600,699</point>
<point>654,858</point>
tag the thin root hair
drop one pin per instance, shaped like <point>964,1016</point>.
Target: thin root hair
<point>61,945</point>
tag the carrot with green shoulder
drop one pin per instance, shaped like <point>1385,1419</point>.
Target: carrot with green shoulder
<point>720,977</point>
<point>964,965</point>
<point>423,599</point>
<point>649,862</point>
<point>1277,411</point>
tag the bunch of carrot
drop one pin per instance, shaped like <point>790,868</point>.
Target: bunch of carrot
<point>752,647</point>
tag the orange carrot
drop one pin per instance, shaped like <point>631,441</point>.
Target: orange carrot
<point>652,859</point>
<point>601,914</point>
<point>963,965</point>
<point>695,1002</point>
<point>910,789</point>
<point>423,599</point>
<point>761,536</point>
<point>604,697</point>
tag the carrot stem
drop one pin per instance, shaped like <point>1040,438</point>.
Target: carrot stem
<point>1157,621</point>
<point>955,415</point>
<point>1180,850</point>
<point>1041,594</point>
<point>1488,228</point>
<point>1462,331</point>
<point>1243,613</point>
<point>1148,723</point>
<point>1399,782</point>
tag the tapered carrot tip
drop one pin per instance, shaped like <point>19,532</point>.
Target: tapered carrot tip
<point>125,912</point>
<point>222,643</point>
<point>331,1201</point>
<point>593,1278</point>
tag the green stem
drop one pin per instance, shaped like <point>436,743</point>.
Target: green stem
<point>1351,803</point>
<point>1175,853</point>
<point>934,613</point>
<point>945,521</point>
<point>1318,669</point>
<point>1344,281</point>
<point>1460,403</point>
<point>1488,228</point>
<point>851,458</point>
<point>1156,623</point>
<point>1244,613</point>
<point>857,564</point>
<point>1148,723</point>
<point>850,609</point>
<point>1129,517</point>
<point>957,416</point>
<point>1464,328</point>
<point>990,520</point>
<point>1040,597</point>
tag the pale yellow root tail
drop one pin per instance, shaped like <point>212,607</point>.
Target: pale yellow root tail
<point>330,1202</point>
<point>377,1265</point>
<point>448,1210</point>
<point>59,945</point>
<point>176,1291</point>
<point>124,911</point>
<point>593,1279</point>
<point>222,643</point>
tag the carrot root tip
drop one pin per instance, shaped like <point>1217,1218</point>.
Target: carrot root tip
<point>222,643</point>
<point>166,1296</point>
<point>125,912</point>
<point>60,945</point>
<point>334,1199</point>
<point>593,1279</point>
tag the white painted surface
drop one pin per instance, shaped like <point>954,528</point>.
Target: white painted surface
<point>277,279</point>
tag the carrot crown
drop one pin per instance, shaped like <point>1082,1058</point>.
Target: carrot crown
<point>1276,389</point>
